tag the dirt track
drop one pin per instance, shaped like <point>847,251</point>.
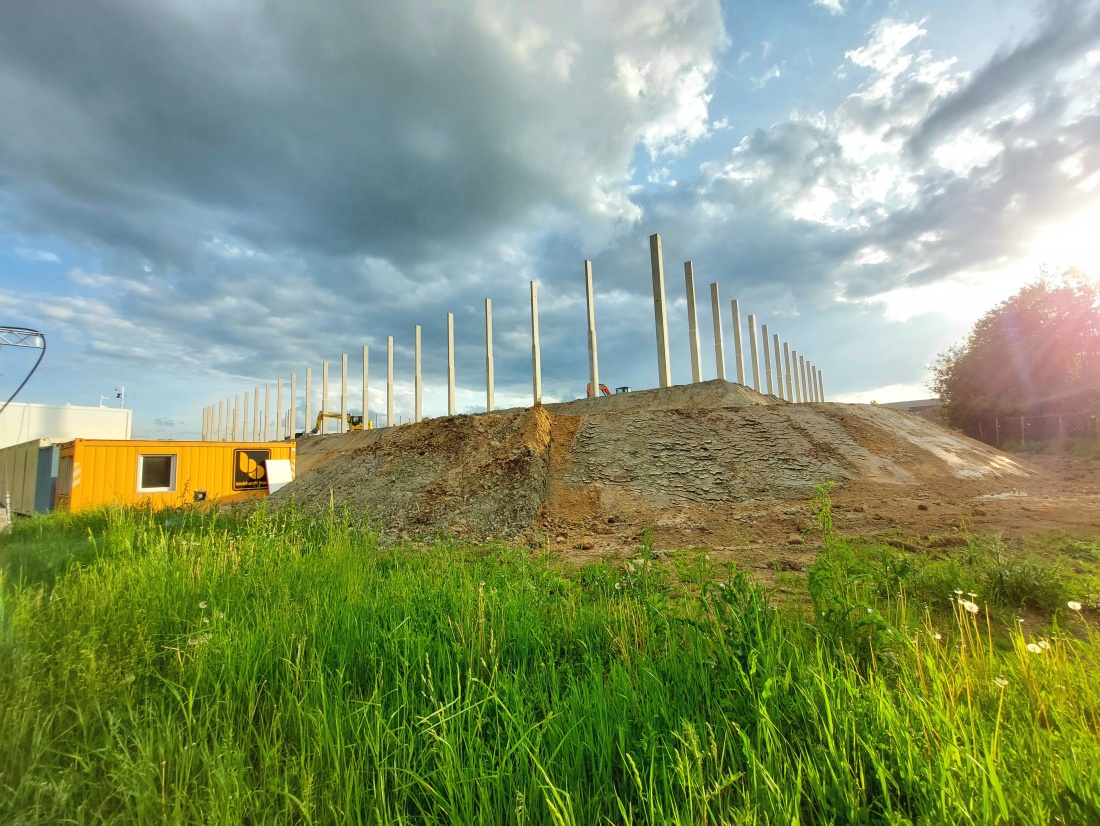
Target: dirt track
<point>712,465</point>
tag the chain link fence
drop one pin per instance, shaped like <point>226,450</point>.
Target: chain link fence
<point>1022,431</point>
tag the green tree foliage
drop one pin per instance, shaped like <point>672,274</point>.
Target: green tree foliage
<point>1035,353</point>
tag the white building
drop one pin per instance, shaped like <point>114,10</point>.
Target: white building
<point>62,423</point>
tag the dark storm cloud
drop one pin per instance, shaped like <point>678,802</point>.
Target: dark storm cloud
<point>1070,28</point>
<point>394,128</point>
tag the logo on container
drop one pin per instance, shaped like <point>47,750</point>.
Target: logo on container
<point>249,471</point>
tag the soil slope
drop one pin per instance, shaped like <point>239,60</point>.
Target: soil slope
<point>713,464</point>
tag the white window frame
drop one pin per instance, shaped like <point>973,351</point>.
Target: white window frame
<point>140,467</point>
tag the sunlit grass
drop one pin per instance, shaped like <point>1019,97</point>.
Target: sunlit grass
<point>281,669</point>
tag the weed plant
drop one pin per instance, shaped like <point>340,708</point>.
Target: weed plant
<point>279,668</point>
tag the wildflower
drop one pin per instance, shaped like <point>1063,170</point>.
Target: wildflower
<point>206,620</point>
<point>970,606</point>
<point>202,606</point>
<point>1034,649</point>
<point>1043,644</point>
<point>870,610</point>
<point>971,594</point>
<point>937,636</point>
<point>958,592</point>
<point>1020,620</point>
<point>618,586</point>
<point>1001,681</point>
<point>1074,605</point>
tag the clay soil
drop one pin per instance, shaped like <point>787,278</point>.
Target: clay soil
<point>713,465</point>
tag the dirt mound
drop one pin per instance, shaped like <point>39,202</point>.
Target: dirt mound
<point>712,464</point>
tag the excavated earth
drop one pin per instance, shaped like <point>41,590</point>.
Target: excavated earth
<point>712,465</point>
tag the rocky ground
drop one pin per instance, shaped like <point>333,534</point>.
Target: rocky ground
<point>713,465</point>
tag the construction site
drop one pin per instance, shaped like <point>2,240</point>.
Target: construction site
<point>713,465</point>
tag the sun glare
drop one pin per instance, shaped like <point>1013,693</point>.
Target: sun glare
<point>1072,243</point>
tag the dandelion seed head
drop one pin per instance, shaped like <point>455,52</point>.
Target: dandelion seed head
<point>1043,644</point>
<point>618,586</point>
<point>202,606</point>
<point>971,594</point>
<point>1074,605</point>
<point>1034,649</point>
<point>937,636</point>
<point>1001,681</point>
<point>958,592</point>
<point>972,607</point>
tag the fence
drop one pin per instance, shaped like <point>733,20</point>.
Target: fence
<point>1035,430</point>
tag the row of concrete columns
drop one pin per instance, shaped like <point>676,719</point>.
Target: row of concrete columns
<point>803,381</point>
<point>788,377</point>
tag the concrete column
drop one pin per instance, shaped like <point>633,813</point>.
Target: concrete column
<point>236,417</point>
<point>417,389</point>
<point>593,362</point>
<point>292,408</point>
<point>366,409</point>
<point>755,353</point>
<point>693,327</point>
<point>660,315</point>
<point>821,385</point>
<point>343,394</point>
<point>536,352</point>
<point>805,384</point>
<point>323,429</point>
<point>267,410</point>
<point>244,418</point>
<point>450,364</point>
<point>389,381</point>
<point>767,358</point>
<point>738,350</point>
<point>206,423</point>
<point>256,413</point>
<point>489,354</point>
<point>716,322</point>
<point>279,411</point>
<point>308,401</point>
<point>778,367</point>
<point>797,385</point>
<point>813,381</point>
<point>228,413</point>
<point>787,371</point>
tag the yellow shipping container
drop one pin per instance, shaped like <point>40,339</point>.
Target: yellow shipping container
<point>94,472</point>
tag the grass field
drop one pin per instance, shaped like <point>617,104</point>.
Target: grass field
<point>190,668</point>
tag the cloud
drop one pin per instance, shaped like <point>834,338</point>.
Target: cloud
<point>37,255</point>
<point>834,6</point>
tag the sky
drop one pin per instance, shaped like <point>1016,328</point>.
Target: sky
<point>199,197</point>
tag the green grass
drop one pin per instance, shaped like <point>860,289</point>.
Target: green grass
<point>274,668</point>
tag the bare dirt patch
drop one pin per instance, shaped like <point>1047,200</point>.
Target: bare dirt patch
<point>712,465</point>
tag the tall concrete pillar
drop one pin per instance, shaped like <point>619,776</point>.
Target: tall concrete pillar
<point>450,364</point>
<point>228,417</point>
<point>716,322</point>
<point>821,385</point>
<point>755,352</point>
<point>308,401</point>
<point>279,411</point>
<point>693,326</point>
<point>797,386</point>
<point>366,392</point>
<point>810,374</point>
<point>738,349</point>
<point>489,355</point>
<point>802,374</point>
<point>244,419</point>
<point>219,438</point>
<point>778,367</point>
<point>292,408</point>
<point>660,315</point>
<point>593,362</point>
<point>267,408</point>
<point>323,429</point>
<point>236,417</point>
<point>343,394</point>
<point>417,388</point>
<point>536,353</point>
<point>256,413</point>
<point>389,381</point>
<point>787,370</point>
<point>767,358</point>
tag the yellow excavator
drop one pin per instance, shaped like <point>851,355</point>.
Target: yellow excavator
<point>354,422</point>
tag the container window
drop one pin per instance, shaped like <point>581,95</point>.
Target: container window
<point>156,474</point>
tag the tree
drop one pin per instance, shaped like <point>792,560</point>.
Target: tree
<point>1033,354</point>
